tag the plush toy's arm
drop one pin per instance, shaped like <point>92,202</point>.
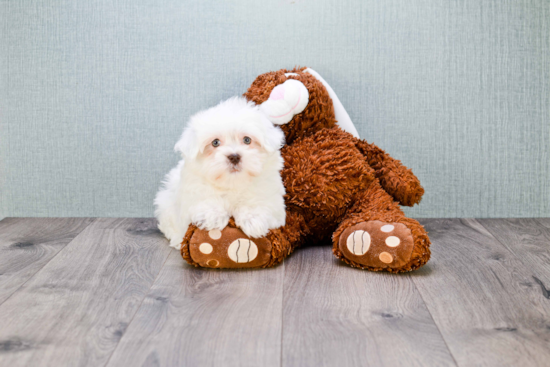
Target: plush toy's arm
<point>395,178</point>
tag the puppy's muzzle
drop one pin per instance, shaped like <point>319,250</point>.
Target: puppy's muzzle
<point>234,158</point>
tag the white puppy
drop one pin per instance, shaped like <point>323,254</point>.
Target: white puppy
<point>230,168</point>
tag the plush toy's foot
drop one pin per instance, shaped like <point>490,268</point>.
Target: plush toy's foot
<point>377,245</point>
<point>229,248</point>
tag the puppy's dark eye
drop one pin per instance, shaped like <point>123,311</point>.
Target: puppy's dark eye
<point>247,140</point>
<point>216,143</point>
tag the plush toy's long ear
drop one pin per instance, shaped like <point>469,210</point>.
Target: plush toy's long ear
<point>285,101</point>
<point>188,144</point>
<point>344,121</point>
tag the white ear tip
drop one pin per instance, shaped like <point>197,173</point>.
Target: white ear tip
<point>285,101</point>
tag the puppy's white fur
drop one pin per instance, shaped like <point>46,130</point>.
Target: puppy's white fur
<point>206,188</point>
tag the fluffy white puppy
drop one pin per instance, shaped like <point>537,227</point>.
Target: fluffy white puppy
<point>230,168</point>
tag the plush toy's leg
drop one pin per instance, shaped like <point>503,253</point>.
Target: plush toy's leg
<point>231,248</point>
<point>395,178</point>
<point>376,235</point>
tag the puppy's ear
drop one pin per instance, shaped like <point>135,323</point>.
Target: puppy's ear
<point>188,144</point>
<point>273,137</point>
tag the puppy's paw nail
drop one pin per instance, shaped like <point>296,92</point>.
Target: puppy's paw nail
<point>253,227</point>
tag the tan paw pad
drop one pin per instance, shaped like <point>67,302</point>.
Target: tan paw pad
<point>385,258</point>
<point>206,248</point>
<point>393,241</point>
<point>213,263</point>
<point>358,242</point>
<point>387,228</point>
<point>242,250</point>
<point>215,234</point>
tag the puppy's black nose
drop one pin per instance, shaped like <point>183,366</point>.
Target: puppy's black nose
<point>234,158</point>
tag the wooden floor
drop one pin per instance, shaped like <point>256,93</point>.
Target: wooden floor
<point>110,292</point>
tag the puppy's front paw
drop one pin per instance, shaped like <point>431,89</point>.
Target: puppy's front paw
<point>253,227</point>
<point>252,223</point>
<point>175,242</point>
<point>209,219</point>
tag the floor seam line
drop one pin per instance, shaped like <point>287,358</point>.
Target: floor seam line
<point>43,266</point>
<point>433,320</point>
<point>139,308</point>
<point>519,258</point>
<point>496,239</point>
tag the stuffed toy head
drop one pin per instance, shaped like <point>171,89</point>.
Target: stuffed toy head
<point>300,101</point>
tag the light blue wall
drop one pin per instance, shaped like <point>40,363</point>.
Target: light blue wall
<point>95,93</point>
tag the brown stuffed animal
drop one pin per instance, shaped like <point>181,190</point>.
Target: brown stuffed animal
<point>337,187</point>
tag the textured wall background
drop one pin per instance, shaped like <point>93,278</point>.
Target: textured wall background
<point>94,94</point>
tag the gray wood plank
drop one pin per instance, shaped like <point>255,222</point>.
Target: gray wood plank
<point>206,317</point>
<point>529,240</point>
<point>74,311</point>
<point>335,315</point>
<point>27,244</point>
<point>482,299</point>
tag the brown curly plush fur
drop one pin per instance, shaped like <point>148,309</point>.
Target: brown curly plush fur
<point>334,180</point>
